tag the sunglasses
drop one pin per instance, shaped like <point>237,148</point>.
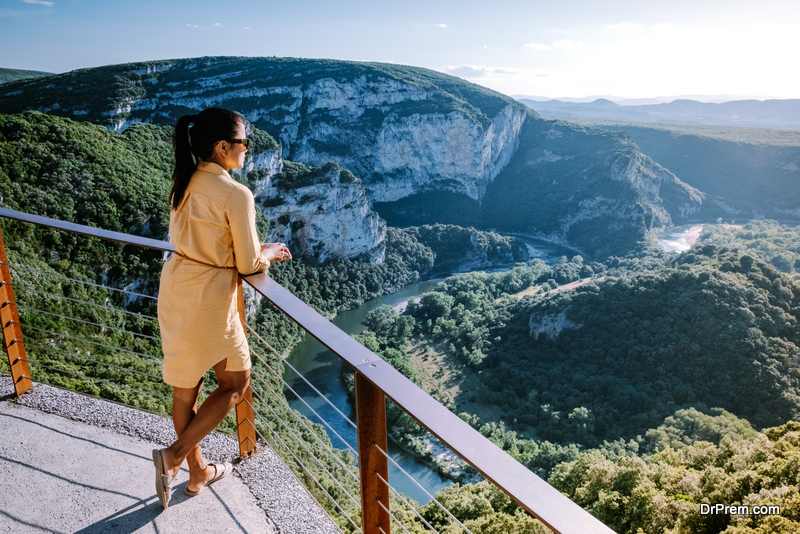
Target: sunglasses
<point>245,142</point>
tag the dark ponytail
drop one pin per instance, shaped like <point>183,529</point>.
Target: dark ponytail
<point>197,143</point>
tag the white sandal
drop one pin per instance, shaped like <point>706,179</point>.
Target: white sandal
<point>163,482</point>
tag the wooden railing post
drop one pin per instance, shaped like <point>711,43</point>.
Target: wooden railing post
<point>12,332</point>
<point>371,423</point>
<point>245,415</point>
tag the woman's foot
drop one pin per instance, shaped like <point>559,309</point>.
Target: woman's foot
<point>164,479</point>
<point>208,476</point>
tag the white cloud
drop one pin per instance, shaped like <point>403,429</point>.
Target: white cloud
<point>625,27</point>
<point>537,46</point>
<point>217,24</point>
<point>246,28</point>
<point>193,25</point>
<point>465,71</point>
<point>568,44</point>
<point>445,26</point>
<point>40,2</point>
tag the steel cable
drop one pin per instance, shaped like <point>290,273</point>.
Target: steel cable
<point>400,496</point>
<point>304,468</point>
<point>89,322</point>
<point>324,422</point>
<point>300,441</point>
<point>101,306</point>
<point>61,276</point>
<point>79,375</point>
<point>445,510</point>
<point>303,378</point>
<point>91,342</point>
<point>391,515</point>
<point>86,358</point>
<point>298,417</point>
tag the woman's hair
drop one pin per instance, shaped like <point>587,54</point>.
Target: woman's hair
<point>197,143</point>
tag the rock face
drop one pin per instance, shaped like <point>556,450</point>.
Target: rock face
<point>549,325</point>
<point>585,187</point>
<point>399,129</point>
<point>405,133</point>
<point>322,213</point>
<point>407,154</point>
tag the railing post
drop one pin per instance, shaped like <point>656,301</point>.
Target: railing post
<point>12,332</point>
<point>371,426</point>
<point>245,415</point>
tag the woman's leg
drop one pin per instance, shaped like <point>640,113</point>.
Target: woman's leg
<point>184,409</point>
<point>232,385</point>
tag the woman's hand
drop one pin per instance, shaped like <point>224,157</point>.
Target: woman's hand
<point>275,251</point>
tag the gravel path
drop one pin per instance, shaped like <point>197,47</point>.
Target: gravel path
<point>289,508</point>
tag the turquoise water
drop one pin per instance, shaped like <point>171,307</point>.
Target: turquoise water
<point>324,370</point>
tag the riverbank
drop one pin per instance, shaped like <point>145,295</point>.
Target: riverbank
<point>680,239</point>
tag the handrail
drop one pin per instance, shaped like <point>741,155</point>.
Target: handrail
<point>75,228</point>
<point>377,378</point>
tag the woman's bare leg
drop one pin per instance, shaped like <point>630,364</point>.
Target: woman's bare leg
<point>184,409</point>
<point>232,385</point>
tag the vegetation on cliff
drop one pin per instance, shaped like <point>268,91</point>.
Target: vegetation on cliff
<point>746,173</point>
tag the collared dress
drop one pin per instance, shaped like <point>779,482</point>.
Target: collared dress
<point>197,304</point>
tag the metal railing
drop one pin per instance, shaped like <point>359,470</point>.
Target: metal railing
<point>375,381</point>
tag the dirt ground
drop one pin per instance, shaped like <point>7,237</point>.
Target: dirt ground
<point>451,382</point>
<point>565,287</point>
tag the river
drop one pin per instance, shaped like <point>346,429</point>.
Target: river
<point>323,369</point>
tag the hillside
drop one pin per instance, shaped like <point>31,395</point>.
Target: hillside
<point>611,358</point>
<point>636,393</point>
<point>415,138</point>
<point>10,75</point>
<point>746,173</point>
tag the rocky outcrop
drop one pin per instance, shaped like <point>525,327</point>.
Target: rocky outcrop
<point>549,325</point>
<point>408,153</point>
<point>426,148</point>
<point>322,213</point>
<point>585,187</point>
<point>400,129</point>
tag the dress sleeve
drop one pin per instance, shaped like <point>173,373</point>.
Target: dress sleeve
<point>240,210</point>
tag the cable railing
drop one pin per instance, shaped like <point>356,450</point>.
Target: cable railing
<point>352,482</point>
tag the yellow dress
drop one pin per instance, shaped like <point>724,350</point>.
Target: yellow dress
<point>197,304</point>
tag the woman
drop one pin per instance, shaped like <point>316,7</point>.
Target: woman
<point>212,226</point>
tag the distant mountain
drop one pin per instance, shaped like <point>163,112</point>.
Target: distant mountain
<point>776,114</point>
<point>627,101</point>
<point>10,75</point>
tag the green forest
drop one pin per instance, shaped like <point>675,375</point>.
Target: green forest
<point>637,393</point>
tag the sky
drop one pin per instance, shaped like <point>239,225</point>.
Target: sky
<point>550,48</point>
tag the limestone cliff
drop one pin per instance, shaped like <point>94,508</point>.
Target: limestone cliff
<point>322,213</point>
<point>399,129</point>
<point>426,148</point>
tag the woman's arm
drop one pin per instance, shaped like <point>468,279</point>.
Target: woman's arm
<point>241,213</point>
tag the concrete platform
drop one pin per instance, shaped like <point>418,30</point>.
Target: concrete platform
<point>66,476</point>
